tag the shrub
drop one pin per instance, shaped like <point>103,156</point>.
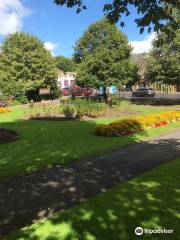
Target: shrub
<point>68,111</point>
<point>96,109</point>
<point>101,130</point>
<point>80,107</point>
<point>116,100</point>
<point>129,126</point>
<point>22,99</point>
<point>89,108</point>
<point>119,128</point>
<point>65,100</point>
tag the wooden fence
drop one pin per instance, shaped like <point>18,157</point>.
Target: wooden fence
<point>165,88</point>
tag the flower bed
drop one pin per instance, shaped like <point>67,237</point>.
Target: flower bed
<point>136,124</point>
<point>4,110</point>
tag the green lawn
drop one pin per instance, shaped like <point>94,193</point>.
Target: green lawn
<point>18,111</point>
<point>150,201</point>
<point>45,143</point>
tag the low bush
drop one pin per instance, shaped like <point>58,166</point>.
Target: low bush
<point>137,124</point>
<point>68,111</point>
<point>89,108</point>
<point>96,109</point>
<point>81,107</point>
<point>119,128</point>
<point>115,100</point>
<point>22,99</point>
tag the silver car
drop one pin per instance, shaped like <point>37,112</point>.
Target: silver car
<point>144,92</point>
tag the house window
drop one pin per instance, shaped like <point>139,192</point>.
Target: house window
<point>72,82</point>
<point>66,83</point>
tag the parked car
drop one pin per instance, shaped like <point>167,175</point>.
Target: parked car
<point>76,91</point>
<point>144,92</point>
<point>66,91</point>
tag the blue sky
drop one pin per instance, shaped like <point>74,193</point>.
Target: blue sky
<point>60,27</point>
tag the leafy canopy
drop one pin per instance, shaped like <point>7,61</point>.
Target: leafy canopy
<point>103,56</point>
<point>25,65</point>
<point>101,69</point>
<point>65,64</point>
<point>163,62</point>
<point>155,13</point>
<point>102,35</point>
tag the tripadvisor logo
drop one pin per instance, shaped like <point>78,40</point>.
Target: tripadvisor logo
<point>139,231</point>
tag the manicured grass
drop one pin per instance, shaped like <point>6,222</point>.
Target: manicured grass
<point>16,113</point>
<point>45,143</point>
<point>150,201</point>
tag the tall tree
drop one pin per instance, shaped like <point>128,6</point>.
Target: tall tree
<point>103,35</point>
<point>25,65</point>
<point>101,69</point>
<point>103,56</point>
<point>153,12</point>
<point>65,64</point>
<point>163,62</point>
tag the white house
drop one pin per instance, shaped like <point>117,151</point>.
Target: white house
<point>66,79</point>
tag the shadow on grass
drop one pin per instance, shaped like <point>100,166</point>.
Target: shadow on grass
<point>150,201</point>
<point>45,144</point>
<point>41,194</point>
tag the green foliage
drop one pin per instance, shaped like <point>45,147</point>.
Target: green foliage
<point>68,111</point>
<point>103,56</point>
<point>81,107</point>
<point>65,64</point>
<point>89,108</point>
<point>153,12</point>
<point>25,65</point>
<point>102,69</point>
<point>119,103</point>
<point>22,99</point>
<point>102,35</point>
<point>163,62</point>
<point>115,100</point>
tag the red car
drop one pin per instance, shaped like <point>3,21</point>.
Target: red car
<point>76,91</point>
<point>66,91</point>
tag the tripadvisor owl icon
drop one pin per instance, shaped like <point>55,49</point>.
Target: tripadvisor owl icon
<point>139,231</point>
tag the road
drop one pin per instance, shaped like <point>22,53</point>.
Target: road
<point>128,95</point>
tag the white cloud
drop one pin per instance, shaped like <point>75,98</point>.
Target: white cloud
<point>143,46</point>
<point>12,13</point>
<point>51,46</point>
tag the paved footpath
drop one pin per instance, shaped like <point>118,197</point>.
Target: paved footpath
<point>32,197</point>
